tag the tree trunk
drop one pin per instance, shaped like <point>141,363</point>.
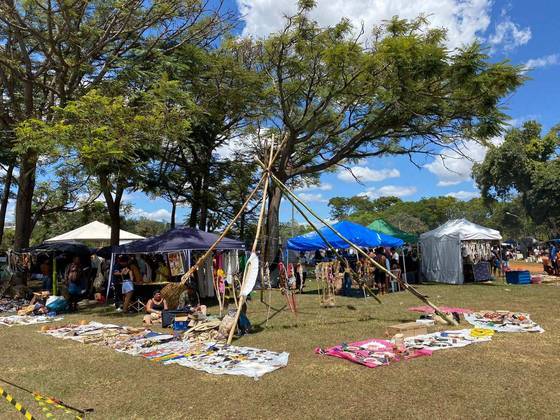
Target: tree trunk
<point>173,212</point>
<point>195,203</point>
<point>203,221</point>
<point>24,201</point>
<point>5,198</point>
<point>272,221</point>
<point>115,214</point>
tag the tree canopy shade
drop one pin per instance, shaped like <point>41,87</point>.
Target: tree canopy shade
<point>54,51</point>
<point>525,164</point>
<point>381,226</point>
<point>334,97</point>
<point>354,232</point>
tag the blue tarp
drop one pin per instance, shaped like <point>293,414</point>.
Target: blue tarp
<point>358,234</point>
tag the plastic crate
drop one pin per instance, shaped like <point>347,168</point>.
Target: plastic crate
<point>518,277</point>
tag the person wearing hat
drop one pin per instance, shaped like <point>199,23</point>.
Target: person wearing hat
<point>155,306</point>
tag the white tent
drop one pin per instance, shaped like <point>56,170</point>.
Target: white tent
<point>94,232</point>
<point>441,249</point>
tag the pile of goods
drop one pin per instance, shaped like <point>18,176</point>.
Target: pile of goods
<point>190,350</point>
<point>12,305</point>
<point>10,321</point>
<point>375,352</point>
<point>503,321</point>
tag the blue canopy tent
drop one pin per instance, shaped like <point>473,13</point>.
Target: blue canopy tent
<point>354,232</point>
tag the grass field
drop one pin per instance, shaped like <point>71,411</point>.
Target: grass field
<point>514,376</point>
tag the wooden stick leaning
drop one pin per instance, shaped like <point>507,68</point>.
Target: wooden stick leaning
<point>169,289</point>
<point>404,285</point>
<point>266,176</point>
<point>316,229</point>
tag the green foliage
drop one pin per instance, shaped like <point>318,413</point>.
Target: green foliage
<point>429,213</point>
<point>525,165</point>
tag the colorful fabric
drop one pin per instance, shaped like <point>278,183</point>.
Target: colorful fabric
<point>12,305</point>
<point>503,321</point>
<point>12,320</point>
<point>371,353</point>
<point>447,309</point>
<point>446,340</point>
<point>209,357</point>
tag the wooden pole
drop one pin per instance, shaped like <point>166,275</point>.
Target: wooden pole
<point>203,258</point>
<point>406,286</point>
<point>316,229</point>
<point>266,176</point>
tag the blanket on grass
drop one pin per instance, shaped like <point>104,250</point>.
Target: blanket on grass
<point>209,357</point>
<point>503,321</point>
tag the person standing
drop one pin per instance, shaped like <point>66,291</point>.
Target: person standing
<point>124,273</point>
<point>73,279</point>
<point>380,275</point>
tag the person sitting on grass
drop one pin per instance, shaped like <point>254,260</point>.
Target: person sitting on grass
<point>188,302</point>
<point>154,308</point>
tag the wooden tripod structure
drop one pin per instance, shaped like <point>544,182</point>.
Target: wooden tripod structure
<point>265,180</point>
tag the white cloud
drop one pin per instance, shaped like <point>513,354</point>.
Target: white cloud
<point>463,195</point>
<point>509,35</point>
<point>453,167</point>
<point>160,215</point>
<point>463,19</point>
<point>389,191</point>
<point>312,198</point>
<point>547,60</point>
<point>321,187</point>
<point>365,174</point>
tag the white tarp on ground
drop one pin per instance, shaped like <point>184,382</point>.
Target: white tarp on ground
<point>94,232</point>
<point>441,249</point>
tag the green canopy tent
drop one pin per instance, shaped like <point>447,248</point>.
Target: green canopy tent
<point>381,226</point>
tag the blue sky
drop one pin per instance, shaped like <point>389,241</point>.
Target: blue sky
<point>521,31</point>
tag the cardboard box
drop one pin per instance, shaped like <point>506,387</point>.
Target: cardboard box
<point>408,329</point>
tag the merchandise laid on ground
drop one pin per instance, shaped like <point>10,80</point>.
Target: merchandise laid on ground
<point>503,321</point>
<point>12,305</point>
<point>208,356</point>
<point>12,320</point>
<point>378,352</point>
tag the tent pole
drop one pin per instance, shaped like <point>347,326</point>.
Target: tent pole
<point>110,280</point>
<point>406,286</point>
<point>54,284</point>
<point>316,229</point>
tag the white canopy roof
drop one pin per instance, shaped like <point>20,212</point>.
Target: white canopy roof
<point>463,230</point>
<point>94,231</point>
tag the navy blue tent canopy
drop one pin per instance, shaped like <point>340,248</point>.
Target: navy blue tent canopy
<point>180,238</point>
<point>358,234</point>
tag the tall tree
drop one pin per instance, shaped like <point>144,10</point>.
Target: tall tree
<point>334,97</point>
<point>51,51</point>
<point>225,91</point>
<point>526,165</point>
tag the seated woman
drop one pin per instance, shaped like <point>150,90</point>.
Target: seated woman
<point>188,302</point>
<point>155,306</point>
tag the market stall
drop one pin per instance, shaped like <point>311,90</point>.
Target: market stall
<point>356,233</point>
<point>382,226</point>
<point>96,233</point>
<point>457,251</point>
<point>176,249</point>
